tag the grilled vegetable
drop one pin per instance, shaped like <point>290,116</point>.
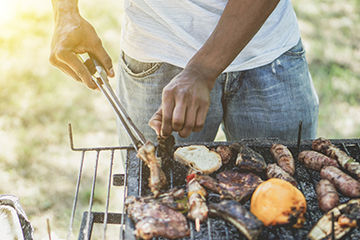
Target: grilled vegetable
<point>248,159</point>
<point>346,162</point>
<point>343,182</point>
<point>349,210</point>
<point>198,210</point>
<point>315,160</point>
<point>157,179</point>
<point>327,195</point>
<point>283,157</point>
<point>276,201</point>
<point>274,171</point>
<point>241,218</point>
<point>153,219</point>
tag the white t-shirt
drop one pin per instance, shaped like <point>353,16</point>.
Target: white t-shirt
<point>172,31</point>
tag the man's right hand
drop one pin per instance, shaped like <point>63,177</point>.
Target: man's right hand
<point>74,35</point>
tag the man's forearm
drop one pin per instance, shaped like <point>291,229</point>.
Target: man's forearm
<point>238,24</point>
<point>65,7</point>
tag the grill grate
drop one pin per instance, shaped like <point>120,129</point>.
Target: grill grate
<point>135,181</point>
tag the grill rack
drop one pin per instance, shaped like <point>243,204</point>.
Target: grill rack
<point>214,228</point>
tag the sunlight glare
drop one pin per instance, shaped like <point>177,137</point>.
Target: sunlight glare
<point>7,10</point>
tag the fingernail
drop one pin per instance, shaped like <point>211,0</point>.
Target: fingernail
<point>111,71</point>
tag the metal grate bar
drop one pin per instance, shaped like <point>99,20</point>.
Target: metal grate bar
<point>209,228</point>
<point>108,194</point>
<point>87,233</point>
<point>68,237</point>
<point>122,231</point>
<point>345,149</point>
<point>140,176</point>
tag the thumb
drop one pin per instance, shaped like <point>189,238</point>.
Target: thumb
<point>155,121</point>
<point>104,59</point>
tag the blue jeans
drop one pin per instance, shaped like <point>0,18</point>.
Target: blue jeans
<point>267,101</point>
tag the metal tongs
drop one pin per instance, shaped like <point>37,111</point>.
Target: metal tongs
<point>101,80</point>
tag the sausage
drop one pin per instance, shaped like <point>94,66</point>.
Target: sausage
<point>283,157</point>
<point>327,195</point>
<point>348,163</point>
<point>343,182</point>
<point>274,171</point>
<point>315,160</point>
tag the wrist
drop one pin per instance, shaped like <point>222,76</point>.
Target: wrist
<point>204,72</point>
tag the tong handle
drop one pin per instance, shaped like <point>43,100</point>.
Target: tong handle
<point>100,79</point>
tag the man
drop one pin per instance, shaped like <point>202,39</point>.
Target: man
<point>197,64</point>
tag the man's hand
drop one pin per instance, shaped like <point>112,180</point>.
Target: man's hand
<point>74,35</point>
<point>185,103</point>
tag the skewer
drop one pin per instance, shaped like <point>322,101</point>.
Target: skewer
<point>299,135</point>
<point>197,224</point>
<point>48,227</point>
<point>332,226</point>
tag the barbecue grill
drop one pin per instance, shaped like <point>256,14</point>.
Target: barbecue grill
<point>135,181</point>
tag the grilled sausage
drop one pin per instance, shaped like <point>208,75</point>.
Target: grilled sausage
<point>327,196</point>
<point>274,171</point>
<point>283,157</point>
<point>343,182</point>
<point>346,162</point>
<point>315,160</point>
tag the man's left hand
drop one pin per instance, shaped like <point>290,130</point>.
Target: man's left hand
<point>185,103</point>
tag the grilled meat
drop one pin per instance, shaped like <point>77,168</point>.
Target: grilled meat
<point>241,218</point>
<point>248,159</point>
<point>315,160</point>
<point>166,147</point>
<point>322,229</point>
<point>153,219</point>
<point>346,162</point>
<point>343,182</point>
<point>327,195</point>
<point>283,157</point>
<point>237,186</point>
<point>157,179</point>
<point>225,153</point>
<point>198,211</point>
<point>209,183</point>
<point>232,185</point>
<point>274,171</point>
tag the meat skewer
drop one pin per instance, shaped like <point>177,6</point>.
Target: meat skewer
<point>283,157</point>
<point>346,162</point>
<point>198,211</point>
<point>274,171</point>
<point>327,195</point>
<point>343,182</point>
<point>157,179</point>
<point>315,160</point>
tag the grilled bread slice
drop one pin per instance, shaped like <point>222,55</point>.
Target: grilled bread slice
<point>199,158</point>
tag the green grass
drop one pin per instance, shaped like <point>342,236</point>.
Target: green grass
<point>37,101</point>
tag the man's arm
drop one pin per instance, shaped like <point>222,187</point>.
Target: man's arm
<point>186,99</point>
<point>74,35</point>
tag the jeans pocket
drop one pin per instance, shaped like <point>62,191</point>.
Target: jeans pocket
<point>297,51</point>
<point>137,69</point>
